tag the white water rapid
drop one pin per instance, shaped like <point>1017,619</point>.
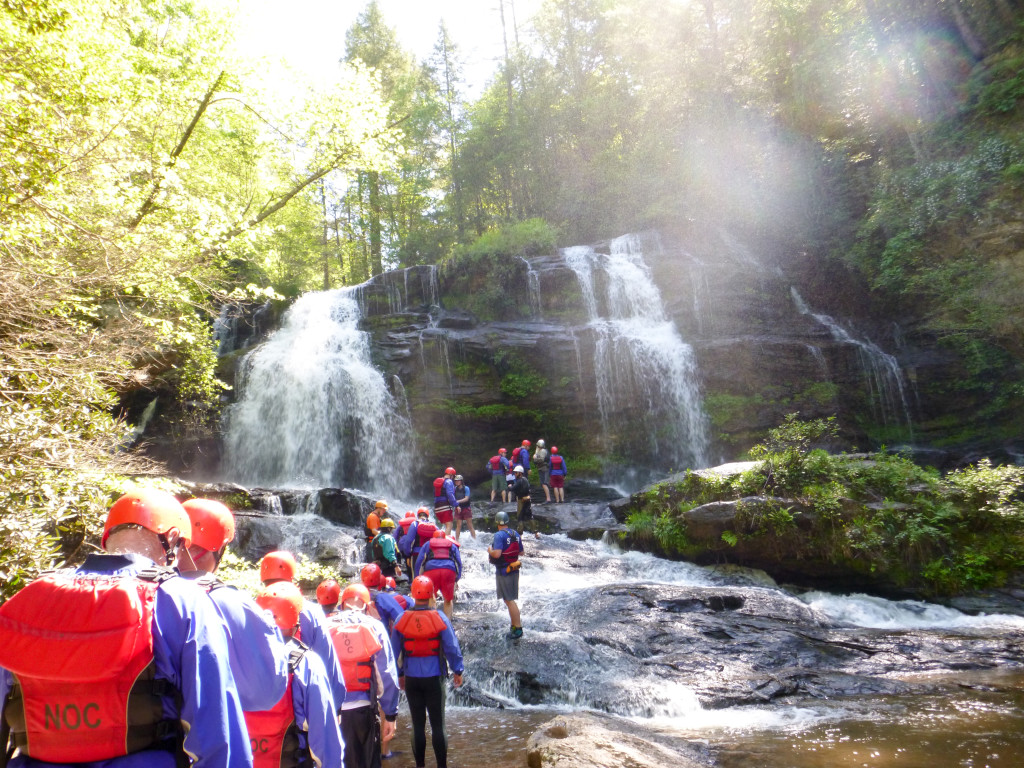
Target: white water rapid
<point>313,411</point>
<point>640,359</point>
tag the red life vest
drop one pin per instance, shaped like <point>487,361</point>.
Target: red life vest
<point>421,630</point>
<point>441,548</point>
<point>405,522</point>
<point>273,733</point>
<point>81,648</point>
<point>495,464</point>
<point>515,455</point>
<point>439,488</point>
<point>355,645</point>
<point>509,554</point>
<point>557,463</point>
<point>424,532</point>
<point>402,600</point>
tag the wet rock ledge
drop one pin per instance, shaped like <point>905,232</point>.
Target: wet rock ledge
<point>587,739</point>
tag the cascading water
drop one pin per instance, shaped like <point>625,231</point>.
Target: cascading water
<point>646,375</point>
<point>312,409</point>
<point>887,386</point>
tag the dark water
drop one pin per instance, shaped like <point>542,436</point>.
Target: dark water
<point>978,722</point>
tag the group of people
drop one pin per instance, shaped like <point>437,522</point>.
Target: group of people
<point>506,473</point>
<point>142,658</point>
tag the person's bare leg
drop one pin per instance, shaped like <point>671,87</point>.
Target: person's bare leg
<point>513,613</point>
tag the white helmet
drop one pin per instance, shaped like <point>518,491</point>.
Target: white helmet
<point>519,468</point>
<point>540,443</point>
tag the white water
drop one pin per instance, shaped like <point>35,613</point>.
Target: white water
<point>640,359</point>
<point>312,409</point>
<point>879,613</point>
<point>887,386</point>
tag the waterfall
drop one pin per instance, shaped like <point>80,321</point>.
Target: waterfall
<point>533,287</point>
<point>887,386</point>
<point>648,396</point>
<point>313,411</point>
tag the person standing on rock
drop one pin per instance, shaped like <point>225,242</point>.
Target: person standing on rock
<point>463,513</point>
<point>373,526</point>
<point>540,458</point>
<point>385,549</point>
<point>426,646</point>
<point>505,550</point>
<point>521,457</point>
<point>498,467</point>
<point>524,504</point>
<point>441,562</point>
<point>559,470</point>
<point>444,500</point>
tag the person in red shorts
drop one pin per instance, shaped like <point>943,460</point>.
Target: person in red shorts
<point>558,472</point>
<point>441,562</point>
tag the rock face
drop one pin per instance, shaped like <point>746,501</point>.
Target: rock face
<point>587,739</point>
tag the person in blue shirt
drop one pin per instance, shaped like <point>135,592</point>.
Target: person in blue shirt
<point>463,511</point>
<point>505,550</point>
<point>368,661</point>
<point>498,466</point>
<point>307,708</point>
<point>257,656</point>
<point>71,660</point>
<point>281,566</point>
<point>385,608</point>
<point>441,562</point>
<point>426,647</point>
<point>559,469</point>
<point>444,500</point>
<point>419,533</point>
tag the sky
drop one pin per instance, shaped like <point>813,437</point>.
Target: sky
<point>310,34</point>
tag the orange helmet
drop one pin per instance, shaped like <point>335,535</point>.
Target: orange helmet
<point>380,504</point>
<point>284,600</point>
<point>355,592</point>
<point>438,534</point>
<point>450,471</point>
<point>526,443</point>
<point>423,512</point>
<point>213,525</point>
<point>278,565</point>
<point>327,592</point>
<point>422,588</point>
<point>156,511</point>
<point>410,513</point>
<point>370,575</point>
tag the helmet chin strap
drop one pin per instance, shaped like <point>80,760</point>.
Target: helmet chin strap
<point>170,552</point>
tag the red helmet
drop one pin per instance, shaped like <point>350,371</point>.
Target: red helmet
<point>390,583</point>
<point>327,592</point>
<point>554,449</point>
<point>422,588</point>
<point>278,565</point>
<point>450,471</point>
<point>410,513</point>
<point>526,443</point>
<point>284,600</point>
<point>438,534</point>
<point>355,592</point>
<point>503,450</point>
<point>213,525</point>
<point>156,511</point>
<point>423,512</point>
<point>370,575</point>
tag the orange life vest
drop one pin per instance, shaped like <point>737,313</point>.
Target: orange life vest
<point>355,645</point>
<point>273,733</point>
<point>421,630</point>
<point>80,647</point>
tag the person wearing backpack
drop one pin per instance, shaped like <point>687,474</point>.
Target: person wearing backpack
<point>441,562</point>
<point>371,678</point>
<point>444,499</point>
<point>504,554</point>
<point>498,466</point>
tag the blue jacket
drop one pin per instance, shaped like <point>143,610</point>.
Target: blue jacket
<point>190,651</point>
<point>383,661</point>
<point>409,544</point>
<point>448,493</point>
<point>387,608</point>
<point>453,562</point>
<point>429,666</point>
<point>524,460</point>
<point>256,650</point>
<point>315,714</point>
<point>315,635</point>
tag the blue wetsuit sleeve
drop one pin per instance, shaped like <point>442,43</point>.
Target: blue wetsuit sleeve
<point>450,643</point>
<point>449,492</point>
<point>5,687</point>
<point>384,660</point>
<point>396,649</point>
<point>190,643</point>
<point>315,713</point>
<point>458,562</point>
<point>405,542</point>
<point>257,655</point>
<point>418,568</point>
<point>316,636</point>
